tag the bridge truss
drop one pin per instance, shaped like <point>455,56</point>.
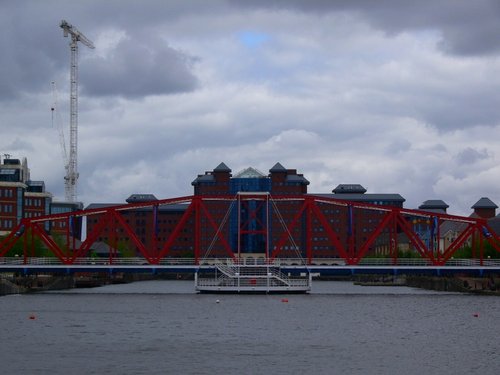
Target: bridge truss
<point>315,229</point>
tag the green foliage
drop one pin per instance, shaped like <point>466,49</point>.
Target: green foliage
<point>466,252</point>
<point>408,254</point>
<point>60,240</point>
<point>34,247</point>
<point>16,250</point>
<point>126,251</point>
<point>188,253</point>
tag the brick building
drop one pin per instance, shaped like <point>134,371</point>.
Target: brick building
<point>352,225</point>
<point>152,226</point>
<point>19,195</point>
<point>252,238</point>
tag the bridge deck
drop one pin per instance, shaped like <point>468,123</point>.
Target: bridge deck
<point>293,266</point>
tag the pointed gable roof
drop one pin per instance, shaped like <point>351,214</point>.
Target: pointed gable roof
<point>277,168</point>
<point>484,203</point>
<point>249,173</point>
<point>222,168</point>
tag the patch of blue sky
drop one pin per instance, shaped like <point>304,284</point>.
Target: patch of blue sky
<point>252,39</point>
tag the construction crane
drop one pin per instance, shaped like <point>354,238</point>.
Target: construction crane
<point>57,123</point>
<point>71,178</point>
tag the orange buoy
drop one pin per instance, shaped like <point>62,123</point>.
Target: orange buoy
<point>284,300</point>
<point>32,317</point>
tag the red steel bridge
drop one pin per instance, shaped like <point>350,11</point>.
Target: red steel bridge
<point>294,230</point>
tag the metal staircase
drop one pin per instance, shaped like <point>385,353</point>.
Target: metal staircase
<point>236,278</point>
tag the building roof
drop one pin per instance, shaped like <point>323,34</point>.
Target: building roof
<point>370,198</point>
<point>250,173</point>
<point>161,208</point>
<point>102,205</point>
<point>277,168</point>
<point>203,178</point>
<point>349,189</point>
<point>297,178</point>
<point>484,203</point>
<point>136,198</point>
<point>433,204</point>
<point>222,168</point>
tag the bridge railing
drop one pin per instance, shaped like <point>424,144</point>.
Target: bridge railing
<point>139,261</point>
<point>419,262</point>
<point>136,261</point>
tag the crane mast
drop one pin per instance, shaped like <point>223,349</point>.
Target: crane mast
<point>57,123</point>
<point>71,177</point>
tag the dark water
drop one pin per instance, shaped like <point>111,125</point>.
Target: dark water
<point>162,327</point>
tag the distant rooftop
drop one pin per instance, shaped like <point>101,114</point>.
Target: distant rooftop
<point>136,198</point>
<point>380,198</point>
<point>222,168</point>
<point>277,168</point>
<point>434,205</point>
<point>484,203</point>
<point>250,173</point>
<point>349,189</point>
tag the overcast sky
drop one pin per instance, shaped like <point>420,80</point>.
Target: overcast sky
<point>398,96</point>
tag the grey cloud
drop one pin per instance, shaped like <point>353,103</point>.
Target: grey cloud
<point>467,27</point>
<point>34,52</point>
<point>471,155</point>
<point>398,146</point>
<point>17,145</point>
<point>30,55</point>
<point>138,68</point>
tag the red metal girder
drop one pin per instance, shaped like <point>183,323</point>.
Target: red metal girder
<point>393,238</point>
<point>437,236</point>
<point>175,233</point>
<point>244,204</point>
<point>131,233</point>
<point>119,207</point>
<point>459,241</point>
<point>49,242</point>
<point>492,238</point>
<point>284,237</point>
<point>329,231</point>
<point>351,238</point>
<point>252,216</point>
<point>310,201</point>
<point>112,239</point>
<point>309,213</point>
<point>92,236</point>
<point>197,229</point>
<point>254,213</point>
<point>481,247</point>
<point>11,239</point>
<point>210,219</point>
<point>389,218</point>
<point>414,238</point>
